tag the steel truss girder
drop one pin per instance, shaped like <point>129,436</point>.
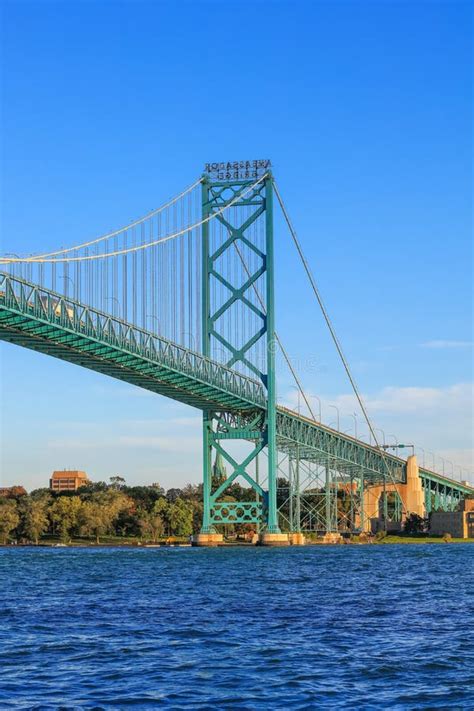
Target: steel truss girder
<point>43,320</point>
<point>317,443</point>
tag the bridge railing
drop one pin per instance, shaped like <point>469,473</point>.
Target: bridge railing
<point>433,478</point>
<point>54,308</point>
<point>337,447</point>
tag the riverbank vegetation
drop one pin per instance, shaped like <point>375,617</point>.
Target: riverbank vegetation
<point>100,511</point>
<point>117,514</point>
<point>111,513</point>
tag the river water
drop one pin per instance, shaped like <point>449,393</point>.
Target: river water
<point>349,627</point>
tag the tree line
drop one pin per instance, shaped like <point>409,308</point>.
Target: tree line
<point>105,509</point>
<point>99,510</point>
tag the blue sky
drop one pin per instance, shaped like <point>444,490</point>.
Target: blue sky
<point>365,109</point>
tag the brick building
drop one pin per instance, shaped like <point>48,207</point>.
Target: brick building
<point>68,480</point>
<point>460,524</point>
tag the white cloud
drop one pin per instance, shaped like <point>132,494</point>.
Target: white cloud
<point>414,399</point>
<point>439,420</point>
<point>446,344</point>
<point>399,399</point>
<point>176,443</point>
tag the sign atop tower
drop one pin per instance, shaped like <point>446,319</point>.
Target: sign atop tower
<point>238,169</point>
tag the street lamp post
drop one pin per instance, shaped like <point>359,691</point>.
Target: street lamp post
<point>444,462</point>
<point>422,450</point>
<point>354,415</point>
<point>319,403</point>
<point>192,339</point>
<point>377,429</point>
<point>433,459</point>
<point>67,278</point>
<point>157,321</point>
<point>299,398</point>
<point>114,298</point>
<point>338,415</point>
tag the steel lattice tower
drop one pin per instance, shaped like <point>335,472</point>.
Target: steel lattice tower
<point>239,223</point>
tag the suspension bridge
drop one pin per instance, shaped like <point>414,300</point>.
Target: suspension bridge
<point>181,302</point>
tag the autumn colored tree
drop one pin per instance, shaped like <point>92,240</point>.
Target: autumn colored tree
<point>151,525</point>
<point>13,492</point>
<point>99,513</point>
<point>162,508</point>
<point>64,514</point>
<point>9,518</point>
<point>35,520</point>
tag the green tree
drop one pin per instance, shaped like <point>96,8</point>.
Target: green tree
<point>92,487</point>
<point>162,508</point>
<point>9,518</point>
<point>156,486</point>
<point>173,494</point>
<point>151,525</point>
<point>197,515</point>
<point>64,514</point>
<point>43,493</point>
<point>95,519</point>
<point>181,518</point>
<point>100,511</point>
<point>415,524</point>
<point>35,519</point>
<point>117,482</point>
<point>144,496</point>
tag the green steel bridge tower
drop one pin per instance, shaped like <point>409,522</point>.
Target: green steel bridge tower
<point>250,218</point>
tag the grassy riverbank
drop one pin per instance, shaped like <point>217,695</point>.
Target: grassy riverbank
<point>134,541</point>
<point>421,539</point>
<point>121,541</point>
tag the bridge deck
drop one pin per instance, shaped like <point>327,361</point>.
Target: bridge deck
<point>42,320</point>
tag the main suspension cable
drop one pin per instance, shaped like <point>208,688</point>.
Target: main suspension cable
<point>108,235</point>
<point>331,329</point>
<point>136,248</point>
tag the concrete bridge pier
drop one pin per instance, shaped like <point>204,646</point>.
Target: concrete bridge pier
<point>210,540</point>
<point>411,495</point>
<point>274,539</point>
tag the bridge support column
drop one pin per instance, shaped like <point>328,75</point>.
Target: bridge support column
<point>245,235</point>
<point>208,540</point>
<point>206,474</point>
<point>371,506</point>
<point>411,493</point>
<point>272,520</point>
<point>274,539</point>
<point>327,496</point>
<point>296,537</point>
<point>361,503</point>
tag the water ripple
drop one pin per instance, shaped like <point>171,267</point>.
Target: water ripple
<point>386,627</point>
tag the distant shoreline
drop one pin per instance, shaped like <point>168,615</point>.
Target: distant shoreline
<point>389,540</point>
